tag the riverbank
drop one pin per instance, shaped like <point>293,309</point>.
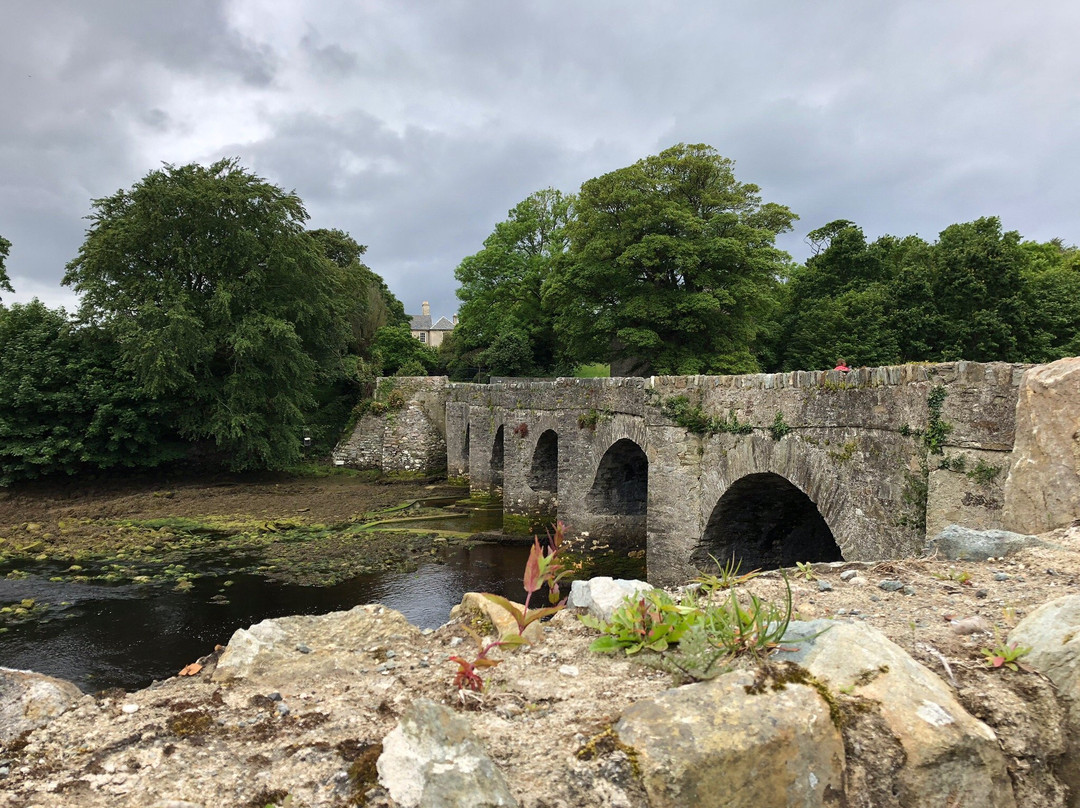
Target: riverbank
<point>313,531</point>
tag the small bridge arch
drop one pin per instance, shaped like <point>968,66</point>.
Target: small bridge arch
<point>544,467</point>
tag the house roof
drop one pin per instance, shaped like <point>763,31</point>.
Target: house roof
<point>443,325</point>
<point>420,322</point>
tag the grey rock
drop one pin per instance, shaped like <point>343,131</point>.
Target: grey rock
<point>30,700</point>
<point>1001,576</point>
<point>1042,491</point>
<point>847,575</point>
<point>1052,632</point>
<point>715,744</point>
<point>266,653</point>
<point>824,586</point>
<point>603,595</point>
<point>891,586</point>
<point>432,759</point>
<point>958,543</point>
<point>946,750</point>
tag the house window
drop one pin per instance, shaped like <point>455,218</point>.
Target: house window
<point>423,336</point>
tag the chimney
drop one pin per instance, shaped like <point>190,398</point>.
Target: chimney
<point>425,309</point>
<point>455,319</point>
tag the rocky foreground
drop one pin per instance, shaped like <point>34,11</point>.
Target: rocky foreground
<point>893,704</point>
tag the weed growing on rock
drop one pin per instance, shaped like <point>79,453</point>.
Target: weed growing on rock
<point>779,427</point>
<point>984,473</point>
<point>726,577</point>
<point>693,418</point>
<point>1005,656</point>
<point>936,428</point>
<point>468,676</point>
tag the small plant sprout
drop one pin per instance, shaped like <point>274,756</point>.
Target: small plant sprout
<point>805,570</point>
<point>1005,656</point>
<point>543,567</point>
<point>727,576</point>
<point>468,676</point>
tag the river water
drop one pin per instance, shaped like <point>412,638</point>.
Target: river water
<point>127,636</point>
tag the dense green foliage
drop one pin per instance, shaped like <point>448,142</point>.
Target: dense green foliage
<point>397,353</point>
<point>5,246</point>
<point>671,267</point>
<point>68,404</point>
<point>977,293</point>
<point>504,329</point>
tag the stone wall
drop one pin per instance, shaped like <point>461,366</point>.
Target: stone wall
<point>409,436</point>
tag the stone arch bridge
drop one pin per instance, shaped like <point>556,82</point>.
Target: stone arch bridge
<point>769,468</point>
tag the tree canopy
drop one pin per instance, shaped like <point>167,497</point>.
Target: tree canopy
<point>672,267</point>
<point>503,327</point>
<point>217,297</point>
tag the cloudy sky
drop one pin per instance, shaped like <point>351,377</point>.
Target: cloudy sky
<point>415,126</point>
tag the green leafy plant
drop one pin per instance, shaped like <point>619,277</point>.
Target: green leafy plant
<point>779,427</point>
<point>653,621</point>
<point>693,418</point>
<point>936,428</point>
<point>588,420</point>
<point>805,570</point>
<point>1005,656</point>
<point>962,577</point>
<point>984,473</point>
<point>692,638</point>
<point>957,463</point>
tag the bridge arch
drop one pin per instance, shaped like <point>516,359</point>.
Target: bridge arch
<point>621,482</point>
<point>544,468</point>
<point>765,521</point>
<point>498,452</point>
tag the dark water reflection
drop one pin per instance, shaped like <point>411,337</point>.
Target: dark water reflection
<point>127,636</point>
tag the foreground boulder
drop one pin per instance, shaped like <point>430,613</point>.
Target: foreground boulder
<point>943,751</point>
<point>1052,632</point>
<point>736,741</point>
<point>432,759</point>
<point>282,651</point>
<point>1042,491</point>
<point>30,700</point>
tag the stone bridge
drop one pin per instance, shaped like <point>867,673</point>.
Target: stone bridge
<point>768,468</point>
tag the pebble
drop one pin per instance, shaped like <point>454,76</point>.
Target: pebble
<point>130,708</point>
<point>391,654</point>
<point>847,575</point>
<point>859,580</point>
<point>875,599</point>
<point>455,642</point>
<point>908,590</point>
<point>981,593</point>
<point>1001,576</point>
<point>283,709</point>
<point>386,667</point>
<point>824,586</point>
<point>568,670</point>
<point>5,771</point>
<point>303,649</point>
<point>891,586</point>
<point>275,696</point>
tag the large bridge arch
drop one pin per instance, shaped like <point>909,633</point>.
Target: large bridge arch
<point>764,521</point>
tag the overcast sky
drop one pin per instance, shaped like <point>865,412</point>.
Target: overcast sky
<point>415,126</point>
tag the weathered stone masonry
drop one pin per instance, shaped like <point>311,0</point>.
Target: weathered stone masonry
<point>603,456</point>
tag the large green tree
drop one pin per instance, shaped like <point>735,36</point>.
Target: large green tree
<point>503,328</point>
<point>672,267</point>
<point>5,246</point>
<point>219,299</point>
